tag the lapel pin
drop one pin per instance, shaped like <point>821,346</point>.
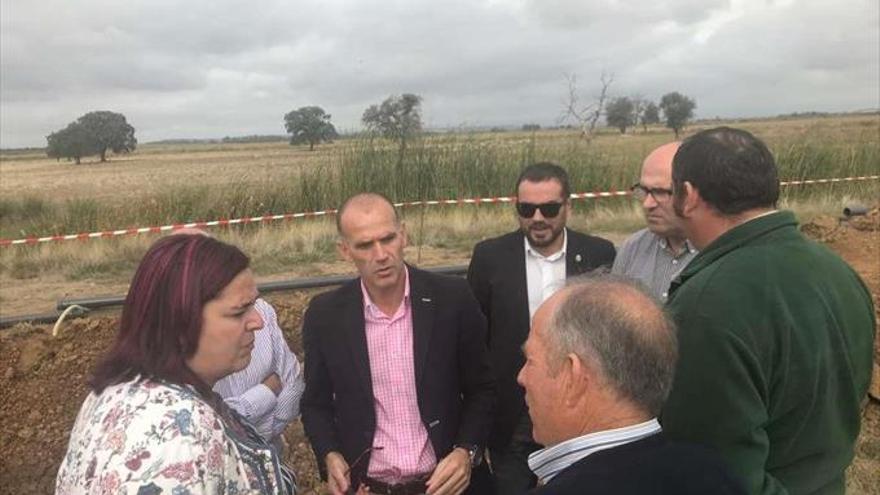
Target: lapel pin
<point>577,258</point>
<point>426,299</point>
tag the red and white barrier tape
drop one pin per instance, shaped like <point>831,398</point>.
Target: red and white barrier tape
<point>307,214</point>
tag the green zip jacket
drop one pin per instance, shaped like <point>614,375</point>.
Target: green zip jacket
<point>776,340</point>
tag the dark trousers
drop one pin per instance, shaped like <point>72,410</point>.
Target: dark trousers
<point>481,481</point>
<point>510,467</point>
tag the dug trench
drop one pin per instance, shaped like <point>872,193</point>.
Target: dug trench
<point>42,378</point>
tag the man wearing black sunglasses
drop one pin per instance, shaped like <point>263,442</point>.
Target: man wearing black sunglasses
<point>511,276</point>
<point>658,253</point>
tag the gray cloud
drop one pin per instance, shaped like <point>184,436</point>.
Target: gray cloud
<point>210,69</point>
<point>578,14</point>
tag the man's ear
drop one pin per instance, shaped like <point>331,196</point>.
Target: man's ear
<point>343,249</point>
<point>692,198</point>
<point>577,377</point>
<point>404,236</point>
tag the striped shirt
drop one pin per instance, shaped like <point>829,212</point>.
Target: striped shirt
<point>548,462</point>
<point>647,258</point>
<point>244,390</point>
<point>406,451</point>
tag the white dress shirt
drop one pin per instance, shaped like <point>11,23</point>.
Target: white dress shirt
<point>544,274</point>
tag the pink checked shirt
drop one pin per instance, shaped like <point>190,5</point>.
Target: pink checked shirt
<point>406,450</point>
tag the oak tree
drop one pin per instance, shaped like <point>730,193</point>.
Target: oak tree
<point>309,125</point>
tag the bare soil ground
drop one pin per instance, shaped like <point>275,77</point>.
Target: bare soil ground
<point>42,379</point>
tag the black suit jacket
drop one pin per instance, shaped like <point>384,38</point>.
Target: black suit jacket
<point>453,382</point>
<point>497,275</point>
<point>650,466</point>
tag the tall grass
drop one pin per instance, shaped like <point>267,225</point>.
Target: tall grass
<point>307,247</point>
<point>449,166</point>
<point>443,167</point>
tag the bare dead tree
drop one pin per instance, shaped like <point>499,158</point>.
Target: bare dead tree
<point>639,103</point>
<point>586,115</point>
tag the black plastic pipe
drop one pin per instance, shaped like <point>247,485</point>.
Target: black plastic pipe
<point>280,285</point>
<point>855,210</point>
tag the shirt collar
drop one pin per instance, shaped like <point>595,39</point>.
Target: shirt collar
<point>770,212</point>
<point>548,462</point>
<point>552,257</point>
<point>371,308</point>
<point>690,249</point>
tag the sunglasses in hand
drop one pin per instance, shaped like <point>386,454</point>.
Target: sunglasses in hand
<point>548,210</point>
<point>355,483</point>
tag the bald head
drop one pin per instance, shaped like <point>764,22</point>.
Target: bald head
<point>364,203</point>
<point>658,209</point>
<point>661,158</point>
<point>619,328</point>
<point>190,231</point>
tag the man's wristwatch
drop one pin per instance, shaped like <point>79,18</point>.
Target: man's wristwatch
<point>473,453</point>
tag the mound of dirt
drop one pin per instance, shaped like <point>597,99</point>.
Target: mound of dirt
<point>42,388</point>
<point>870,222</point>
<point>825,228</point>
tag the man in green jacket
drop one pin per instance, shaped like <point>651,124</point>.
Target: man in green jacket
<point>775,331</point>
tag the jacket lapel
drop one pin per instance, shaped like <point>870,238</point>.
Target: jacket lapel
<point>517,274</point>
<point>356,336</point>
<point>423,308</point>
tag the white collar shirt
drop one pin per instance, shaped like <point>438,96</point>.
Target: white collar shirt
<point>548,462</point>
<point>544,274</point>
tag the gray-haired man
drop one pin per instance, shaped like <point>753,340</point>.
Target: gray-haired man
<point>599,364</point>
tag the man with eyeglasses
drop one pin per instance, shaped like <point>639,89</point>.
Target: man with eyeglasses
<point>511,276</point>
<point>658,253</point>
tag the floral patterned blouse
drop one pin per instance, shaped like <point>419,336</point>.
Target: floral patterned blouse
<point>148,437</point>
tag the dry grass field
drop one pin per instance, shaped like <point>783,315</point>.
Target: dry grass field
<point>154,172</point>
<point>164,184</point>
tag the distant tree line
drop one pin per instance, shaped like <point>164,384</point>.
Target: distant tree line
<point>398,118</point>
<point>628,111</point>
<point>253,138</point>
<point>623,112</point>
<point>94,133</point>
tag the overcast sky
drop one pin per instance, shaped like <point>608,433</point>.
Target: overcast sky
<point>208,69</point>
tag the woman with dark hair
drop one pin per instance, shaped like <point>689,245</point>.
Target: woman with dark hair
<point>152,423</point>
